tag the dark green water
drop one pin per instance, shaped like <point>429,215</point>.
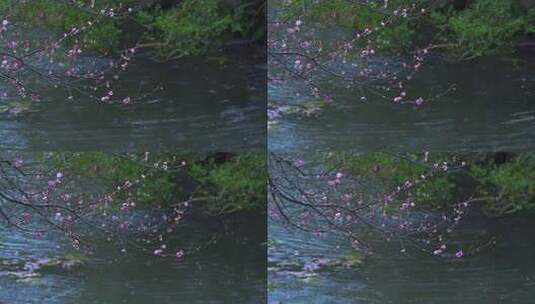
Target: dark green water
<point>205,105</point>
<point>492,109</point>
<point>504,273</point>
<point>233,270</point>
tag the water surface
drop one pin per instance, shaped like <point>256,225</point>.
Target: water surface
<point>213,104</point>
<point>501,274</point>
<point>492,108</point>
<point>233,270</point>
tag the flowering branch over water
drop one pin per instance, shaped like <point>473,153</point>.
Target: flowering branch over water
<point>332,197</point>
<point>308,44</point>
<point>137,201</point>
<point>39,201</point>
<point>34,59</point>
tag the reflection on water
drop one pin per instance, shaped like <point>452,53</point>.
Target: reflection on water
<point>502,274</point>
<point>492,108</point>
<point>204,106</point>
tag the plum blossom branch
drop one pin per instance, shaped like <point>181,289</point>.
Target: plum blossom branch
<point>322,202</point>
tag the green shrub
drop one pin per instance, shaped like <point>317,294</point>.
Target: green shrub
<point>236,185</point>
<point>390,171</point>
<point>500,188</point>
<point>486,27</point>
<point>351,16</point>
<point>513,183</point>
<point>60,17</point>
<point>483,28</point>
<point>157,189</point>
<point>193,27</point>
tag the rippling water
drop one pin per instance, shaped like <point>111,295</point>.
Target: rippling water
<point>204,106</point>
<point>231,271</point>
<point>492,108</point>
<point>503,274</point>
